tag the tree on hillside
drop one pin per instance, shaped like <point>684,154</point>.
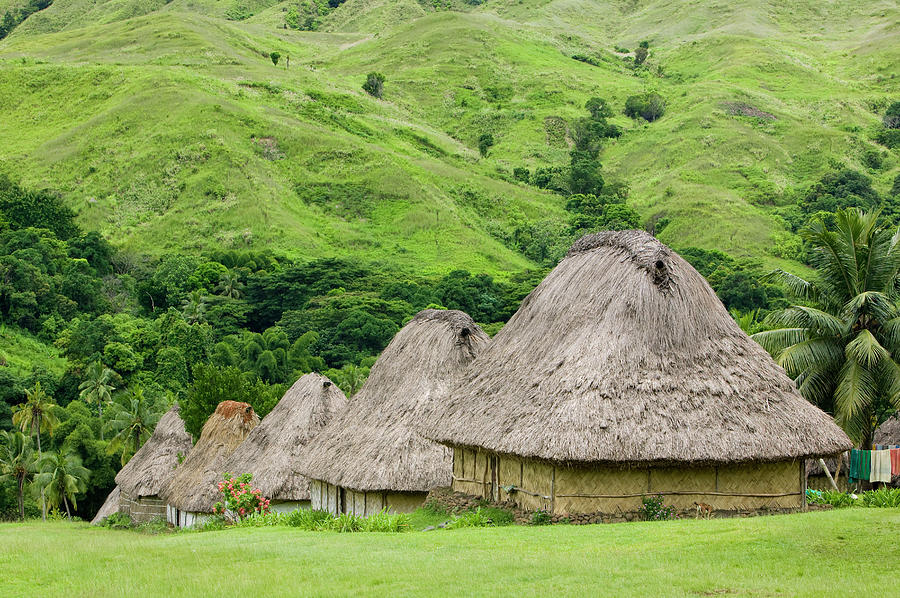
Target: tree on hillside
<point>18,463</point>
<point>34,416</point>
<point>62,477</point>
<point>274,57</point>
<point>891,117</point>
<point>97,386</point>
<point>640,55</point>
<point>485,142</point>
<point>230,286</point>
<point>133,420</point>
<point>193,308</point>
<point>840,343</point>
<point>374,84</point>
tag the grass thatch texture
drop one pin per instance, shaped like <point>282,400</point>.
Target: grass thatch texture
<point>373,444</point>
<point>193,487</point>
<point>154,464</point>
<point>624,354</point>
<point>888,432</point>
<point>271,450</point>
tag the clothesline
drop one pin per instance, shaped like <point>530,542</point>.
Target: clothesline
<point>877,465</point>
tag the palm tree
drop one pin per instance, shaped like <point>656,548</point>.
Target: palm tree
<point>230,285</point>
<point>841,345</point>
<point>133,421</point>
<point>96,387</point>
<point>34,416</point>
<point>194,308</point>
<point>62,477</point>
<point>17,462</point>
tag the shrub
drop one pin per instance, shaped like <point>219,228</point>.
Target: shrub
<point>649,106</point>
<point>884,498</point>
<point>889,138</point>
<point>240,497</point>
<point>274,56</point>
<point>386,522</point>
<point>654,510</point>
<point>213,523</point>
<point>306,519</point>
<point>838,500</point>
<point>522,174</point>
<point>118,521</point>
<point>157,525</point>
<point>540,518</point>
<point>891,117</point>
<point>640,55</point>
<point>374,84</point>
<point>477,518</point>
<point>484,143</point>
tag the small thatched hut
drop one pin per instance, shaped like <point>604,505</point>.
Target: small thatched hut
<point>110,506</point>
<point>622,375</point>
<point>191,493</point>
<point>271,450</point>
<point>151,467</point>
<point>370,457</point>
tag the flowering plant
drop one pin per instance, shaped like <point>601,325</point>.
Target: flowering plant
<point>241,498</point>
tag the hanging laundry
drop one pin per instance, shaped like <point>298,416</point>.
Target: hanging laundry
<point>853,474</point>
<point>895,461</point>
<point>881,466</point>
<point>865,465</point>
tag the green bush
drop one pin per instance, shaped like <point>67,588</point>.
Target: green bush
<point>649,106</point>
<point>883,498</point>
<point>654,510</point>
<point>477,518</point>
<point>485,142</point>
<point>118,521</point>
<point>306,519</point>
<point>374,84</point>
<point>540,518</point>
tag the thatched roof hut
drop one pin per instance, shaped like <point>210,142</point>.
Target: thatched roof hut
<point>270,451</point>
<point>193,488</point>
<point>110,506</point>
<point>373,446</point>
<point>624,358</point>
<point>154,463</point>
<point>888,433</point>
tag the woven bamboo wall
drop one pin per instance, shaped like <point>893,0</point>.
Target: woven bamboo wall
<point>142,508</point>
<point>564,490</point>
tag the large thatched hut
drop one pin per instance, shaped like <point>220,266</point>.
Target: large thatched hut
<point>370,457</point>
<point>191,493</point>
<point>622,375</point>
<point>270,451</point>
<point>151,467</point>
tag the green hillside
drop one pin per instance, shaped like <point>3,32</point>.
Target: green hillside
<point>166,126</point>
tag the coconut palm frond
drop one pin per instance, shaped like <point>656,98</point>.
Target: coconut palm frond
<point>795,285</point>
<point>810,354</point>
<point>855,392</point>
<point>816,321</point>
<point>866,350</point>
<point>775,341</point>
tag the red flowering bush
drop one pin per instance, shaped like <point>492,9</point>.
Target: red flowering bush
<point>241,498</point>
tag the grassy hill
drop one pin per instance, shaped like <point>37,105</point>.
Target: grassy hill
<point>167,127</point>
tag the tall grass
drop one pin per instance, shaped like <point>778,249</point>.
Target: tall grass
<point>321,521</point>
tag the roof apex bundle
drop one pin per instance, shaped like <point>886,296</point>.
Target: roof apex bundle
<point>625,355</point>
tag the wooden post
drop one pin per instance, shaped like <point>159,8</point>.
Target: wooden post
<point>828,473</point>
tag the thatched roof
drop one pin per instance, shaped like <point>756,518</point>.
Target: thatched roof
<point>110,506</point>
<point>372,445</point>
<point>889,431</point>
<point>270,451</point>
<point>194,485</point>
<point>624,355</point>
<point>154,463</point>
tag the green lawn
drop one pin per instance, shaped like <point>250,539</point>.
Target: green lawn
<point>850,552</point>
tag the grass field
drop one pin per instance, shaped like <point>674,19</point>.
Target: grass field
<point>845,552</point>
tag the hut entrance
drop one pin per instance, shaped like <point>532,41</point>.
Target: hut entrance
<point>342,501</point>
